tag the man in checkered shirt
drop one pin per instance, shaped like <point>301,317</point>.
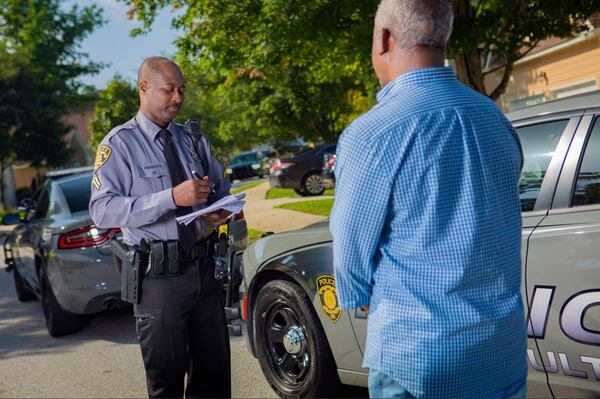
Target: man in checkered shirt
<point>427,224</point>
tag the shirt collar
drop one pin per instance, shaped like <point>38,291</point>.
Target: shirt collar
<point>150,128</point>
<point>416,77</point>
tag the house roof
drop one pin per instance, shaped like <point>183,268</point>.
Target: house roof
<point>498,62</point>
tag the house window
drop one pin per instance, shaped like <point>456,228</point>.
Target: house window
<point>572,90</point>
<point>526,102</point>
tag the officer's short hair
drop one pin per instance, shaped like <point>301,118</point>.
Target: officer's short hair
<point>416,23</point>
<point>152,64</point>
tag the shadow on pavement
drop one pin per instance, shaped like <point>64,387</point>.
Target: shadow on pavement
<point>24,333</point>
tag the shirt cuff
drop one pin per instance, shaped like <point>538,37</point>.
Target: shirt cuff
<point>354,299</point>
<point>165,200</point>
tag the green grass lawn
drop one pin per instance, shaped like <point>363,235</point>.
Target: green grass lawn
<point>246,187</point>
<point>253,235</point>
<point>320,207</point>
<point>274,193</point>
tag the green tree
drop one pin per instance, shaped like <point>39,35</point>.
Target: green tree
<point>292,68</point>
<point>285,68</point>
<point>115,105</point>
<point>506,31</point>
<point>39,69</point>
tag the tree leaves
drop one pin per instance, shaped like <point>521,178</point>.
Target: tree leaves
<point>115,105</point>
<point>293,68</point>
<point>40,64</point>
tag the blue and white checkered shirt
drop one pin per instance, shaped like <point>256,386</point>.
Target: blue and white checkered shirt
<point>427,230</point>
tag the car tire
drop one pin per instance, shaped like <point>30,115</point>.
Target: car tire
<point>24,294</point>
<point>292,348</point>
<point>299,191</point>
<point>59,322</point>
<point>312,184</point>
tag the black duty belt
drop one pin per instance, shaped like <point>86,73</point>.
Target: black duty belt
<point>168,257</point>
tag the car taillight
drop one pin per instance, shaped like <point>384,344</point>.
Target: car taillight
<point>330,162</point>
<point>281,165</point>
<point>87,236</point>
<point>245,308</point>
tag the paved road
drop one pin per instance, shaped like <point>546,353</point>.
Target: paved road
<point>103,360</point>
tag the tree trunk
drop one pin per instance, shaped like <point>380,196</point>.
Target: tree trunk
<point>2,189</point>
<point>468,61</point>
<point>468,70</point>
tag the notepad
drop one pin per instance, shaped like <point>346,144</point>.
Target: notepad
<point>231,203</point>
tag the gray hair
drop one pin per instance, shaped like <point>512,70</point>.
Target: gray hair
<point>416,23</point>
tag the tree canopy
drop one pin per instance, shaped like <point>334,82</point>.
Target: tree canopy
<point>40,64</point>
<point>291,68</point>
<point>506,31</point>
<point>115,105</point>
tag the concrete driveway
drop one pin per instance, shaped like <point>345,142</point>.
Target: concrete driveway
<point>261,215</point>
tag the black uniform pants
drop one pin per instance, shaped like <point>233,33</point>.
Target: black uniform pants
<point>182,329</point>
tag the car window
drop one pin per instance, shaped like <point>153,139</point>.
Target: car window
<point>539,143</point>
<point>330,149</point>
<point>249,157</point>
<point>77,192</point>
<point>42,201</point>
<point>587,188</point>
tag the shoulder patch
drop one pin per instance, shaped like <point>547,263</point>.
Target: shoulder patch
<point>96,182</point>
<point>102,155</point>
<point>327,297</point>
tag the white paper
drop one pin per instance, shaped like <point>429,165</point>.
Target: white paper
<point>231,203</point>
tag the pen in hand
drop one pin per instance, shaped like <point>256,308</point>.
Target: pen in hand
<point>197,176</point>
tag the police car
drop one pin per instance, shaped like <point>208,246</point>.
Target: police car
<point>308,347</point>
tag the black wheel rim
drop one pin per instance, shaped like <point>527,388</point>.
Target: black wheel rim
<point>287,345</point>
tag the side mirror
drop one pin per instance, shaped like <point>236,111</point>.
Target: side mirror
<point>11,219</point>
<point>26,204</point>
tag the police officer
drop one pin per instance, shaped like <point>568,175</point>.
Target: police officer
<point>142,180</point>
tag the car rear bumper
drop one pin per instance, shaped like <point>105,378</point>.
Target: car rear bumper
<point>84,281</point>
<point>328,180</point>
<point>283,181</point>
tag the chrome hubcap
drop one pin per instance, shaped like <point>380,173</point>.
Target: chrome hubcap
<point>293,340</point>
<point>313,184</point>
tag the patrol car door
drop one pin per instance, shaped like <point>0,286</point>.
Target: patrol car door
<point>563,273</point>
<point>30,238</point>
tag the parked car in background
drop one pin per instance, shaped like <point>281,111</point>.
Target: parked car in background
<point>248,164</point>
<point>56,254</point>
<point>302,172</point>
<point>327,174</point>
<point>58,173</point>
<point>306,346</point>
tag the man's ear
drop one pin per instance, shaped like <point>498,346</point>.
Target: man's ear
<point>385,41</point>
<point>143,86</point>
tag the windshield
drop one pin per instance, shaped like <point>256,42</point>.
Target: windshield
<point>247,157</point>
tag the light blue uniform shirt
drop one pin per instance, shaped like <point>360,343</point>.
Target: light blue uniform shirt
<point>427,228</point>
<point>132,186</point>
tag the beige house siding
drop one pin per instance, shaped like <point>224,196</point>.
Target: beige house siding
<point>570,67</point>
<point>77,139</point>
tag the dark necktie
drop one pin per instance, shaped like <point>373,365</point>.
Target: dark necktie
<point>187,234</point>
